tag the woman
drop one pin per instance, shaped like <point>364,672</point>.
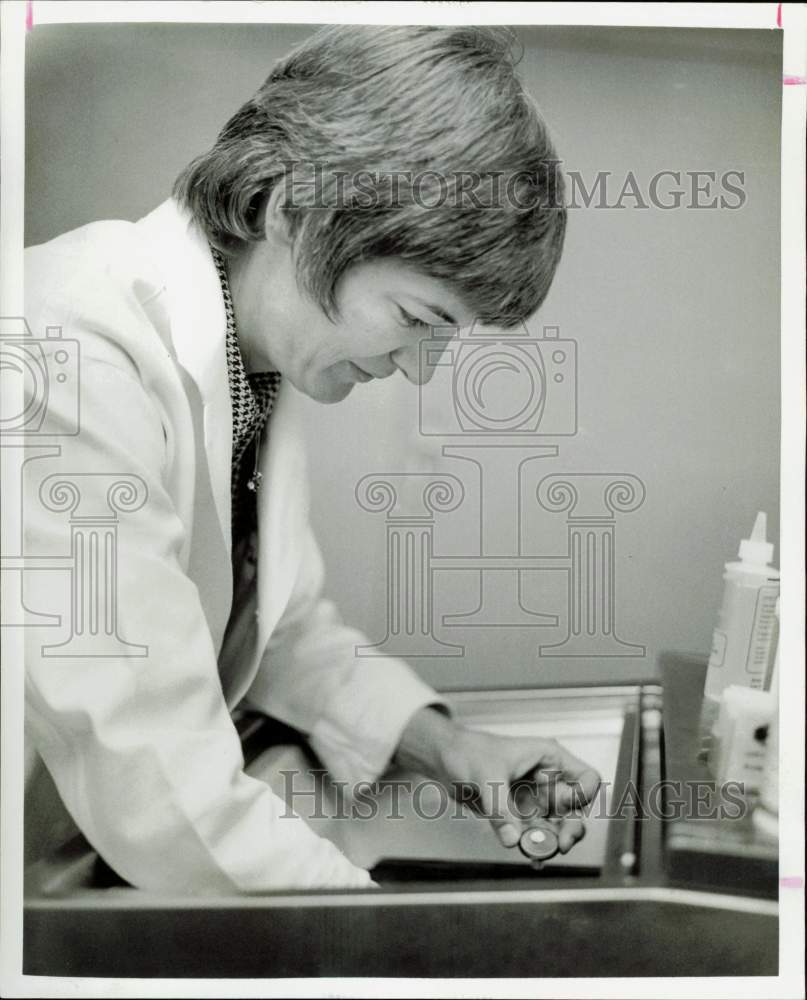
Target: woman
<point>381,181</point>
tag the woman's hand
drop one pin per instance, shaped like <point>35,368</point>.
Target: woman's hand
<point>507,779</point>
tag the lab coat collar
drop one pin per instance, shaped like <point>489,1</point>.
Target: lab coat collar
<point>198,331</point>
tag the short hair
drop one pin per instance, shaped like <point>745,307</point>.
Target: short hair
<point>370,123</point>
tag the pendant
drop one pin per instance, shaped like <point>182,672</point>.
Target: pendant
<point>254,482</point>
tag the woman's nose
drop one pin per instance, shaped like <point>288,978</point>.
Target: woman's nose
<point>408,360</point>
<point>418,361</point>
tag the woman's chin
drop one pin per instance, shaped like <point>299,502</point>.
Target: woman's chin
<point>328,390</point>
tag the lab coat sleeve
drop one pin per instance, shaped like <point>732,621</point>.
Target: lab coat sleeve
<point>141,747</point>
<point>353,708</point>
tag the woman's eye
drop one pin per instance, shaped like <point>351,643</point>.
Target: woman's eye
<point>412,321</point>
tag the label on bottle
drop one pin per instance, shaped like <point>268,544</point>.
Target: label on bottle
<point>760,660</point>
<point>743,640</point>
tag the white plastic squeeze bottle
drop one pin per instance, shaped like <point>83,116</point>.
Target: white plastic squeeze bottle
<point>766,815</point>
<point>744,640</point>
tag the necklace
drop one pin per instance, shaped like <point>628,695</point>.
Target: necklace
<point>252,397</point>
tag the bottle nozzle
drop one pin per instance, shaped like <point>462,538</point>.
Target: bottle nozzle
<point>757,548</point>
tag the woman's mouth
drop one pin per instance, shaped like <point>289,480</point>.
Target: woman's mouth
<point>360,374</point>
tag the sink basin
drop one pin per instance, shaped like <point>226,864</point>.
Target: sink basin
<point>451,902</point>
<point>414,820</point>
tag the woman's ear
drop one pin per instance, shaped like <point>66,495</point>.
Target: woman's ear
<point>276,226</point>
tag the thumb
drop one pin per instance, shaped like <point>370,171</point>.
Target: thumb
<point>494,799</point>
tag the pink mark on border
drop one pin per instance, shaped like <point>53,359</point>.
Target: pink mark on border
<point>792,882</point>
<point>794,81</point>
<point>29,15</point>
<point>778,15</point>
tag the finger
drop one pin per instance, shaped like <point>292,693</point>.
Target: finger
<point>494,799</point>
<point>552,794</point>
<point>543,793</point>
<point>581,790</point>
<point>561,797</point>
<point>572,781</point>
<point>525,802</point>
<point>571,832</point>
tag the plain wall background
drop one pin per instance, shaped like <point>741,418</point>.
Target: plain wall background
<point>676,314</point>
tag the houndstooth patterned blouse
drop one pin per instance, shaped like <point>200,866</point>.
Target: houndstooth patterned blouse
<point>253,397</point>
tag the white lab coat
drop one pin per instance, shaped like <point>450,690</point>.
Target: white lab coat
<point>142,749</point>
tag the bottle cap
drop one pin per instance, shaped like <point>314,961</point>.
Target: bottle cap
<point>540,842</point>
<point>757,549</point>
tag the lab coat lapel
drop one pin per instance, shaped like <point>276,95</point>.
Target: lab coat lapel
<point>198,330</point>
<point>282,521</point>
<point>282,516</point>
<point>198,326</point>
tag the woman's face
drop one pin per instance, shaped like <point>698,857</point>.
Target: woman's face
<point>385,309</point>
